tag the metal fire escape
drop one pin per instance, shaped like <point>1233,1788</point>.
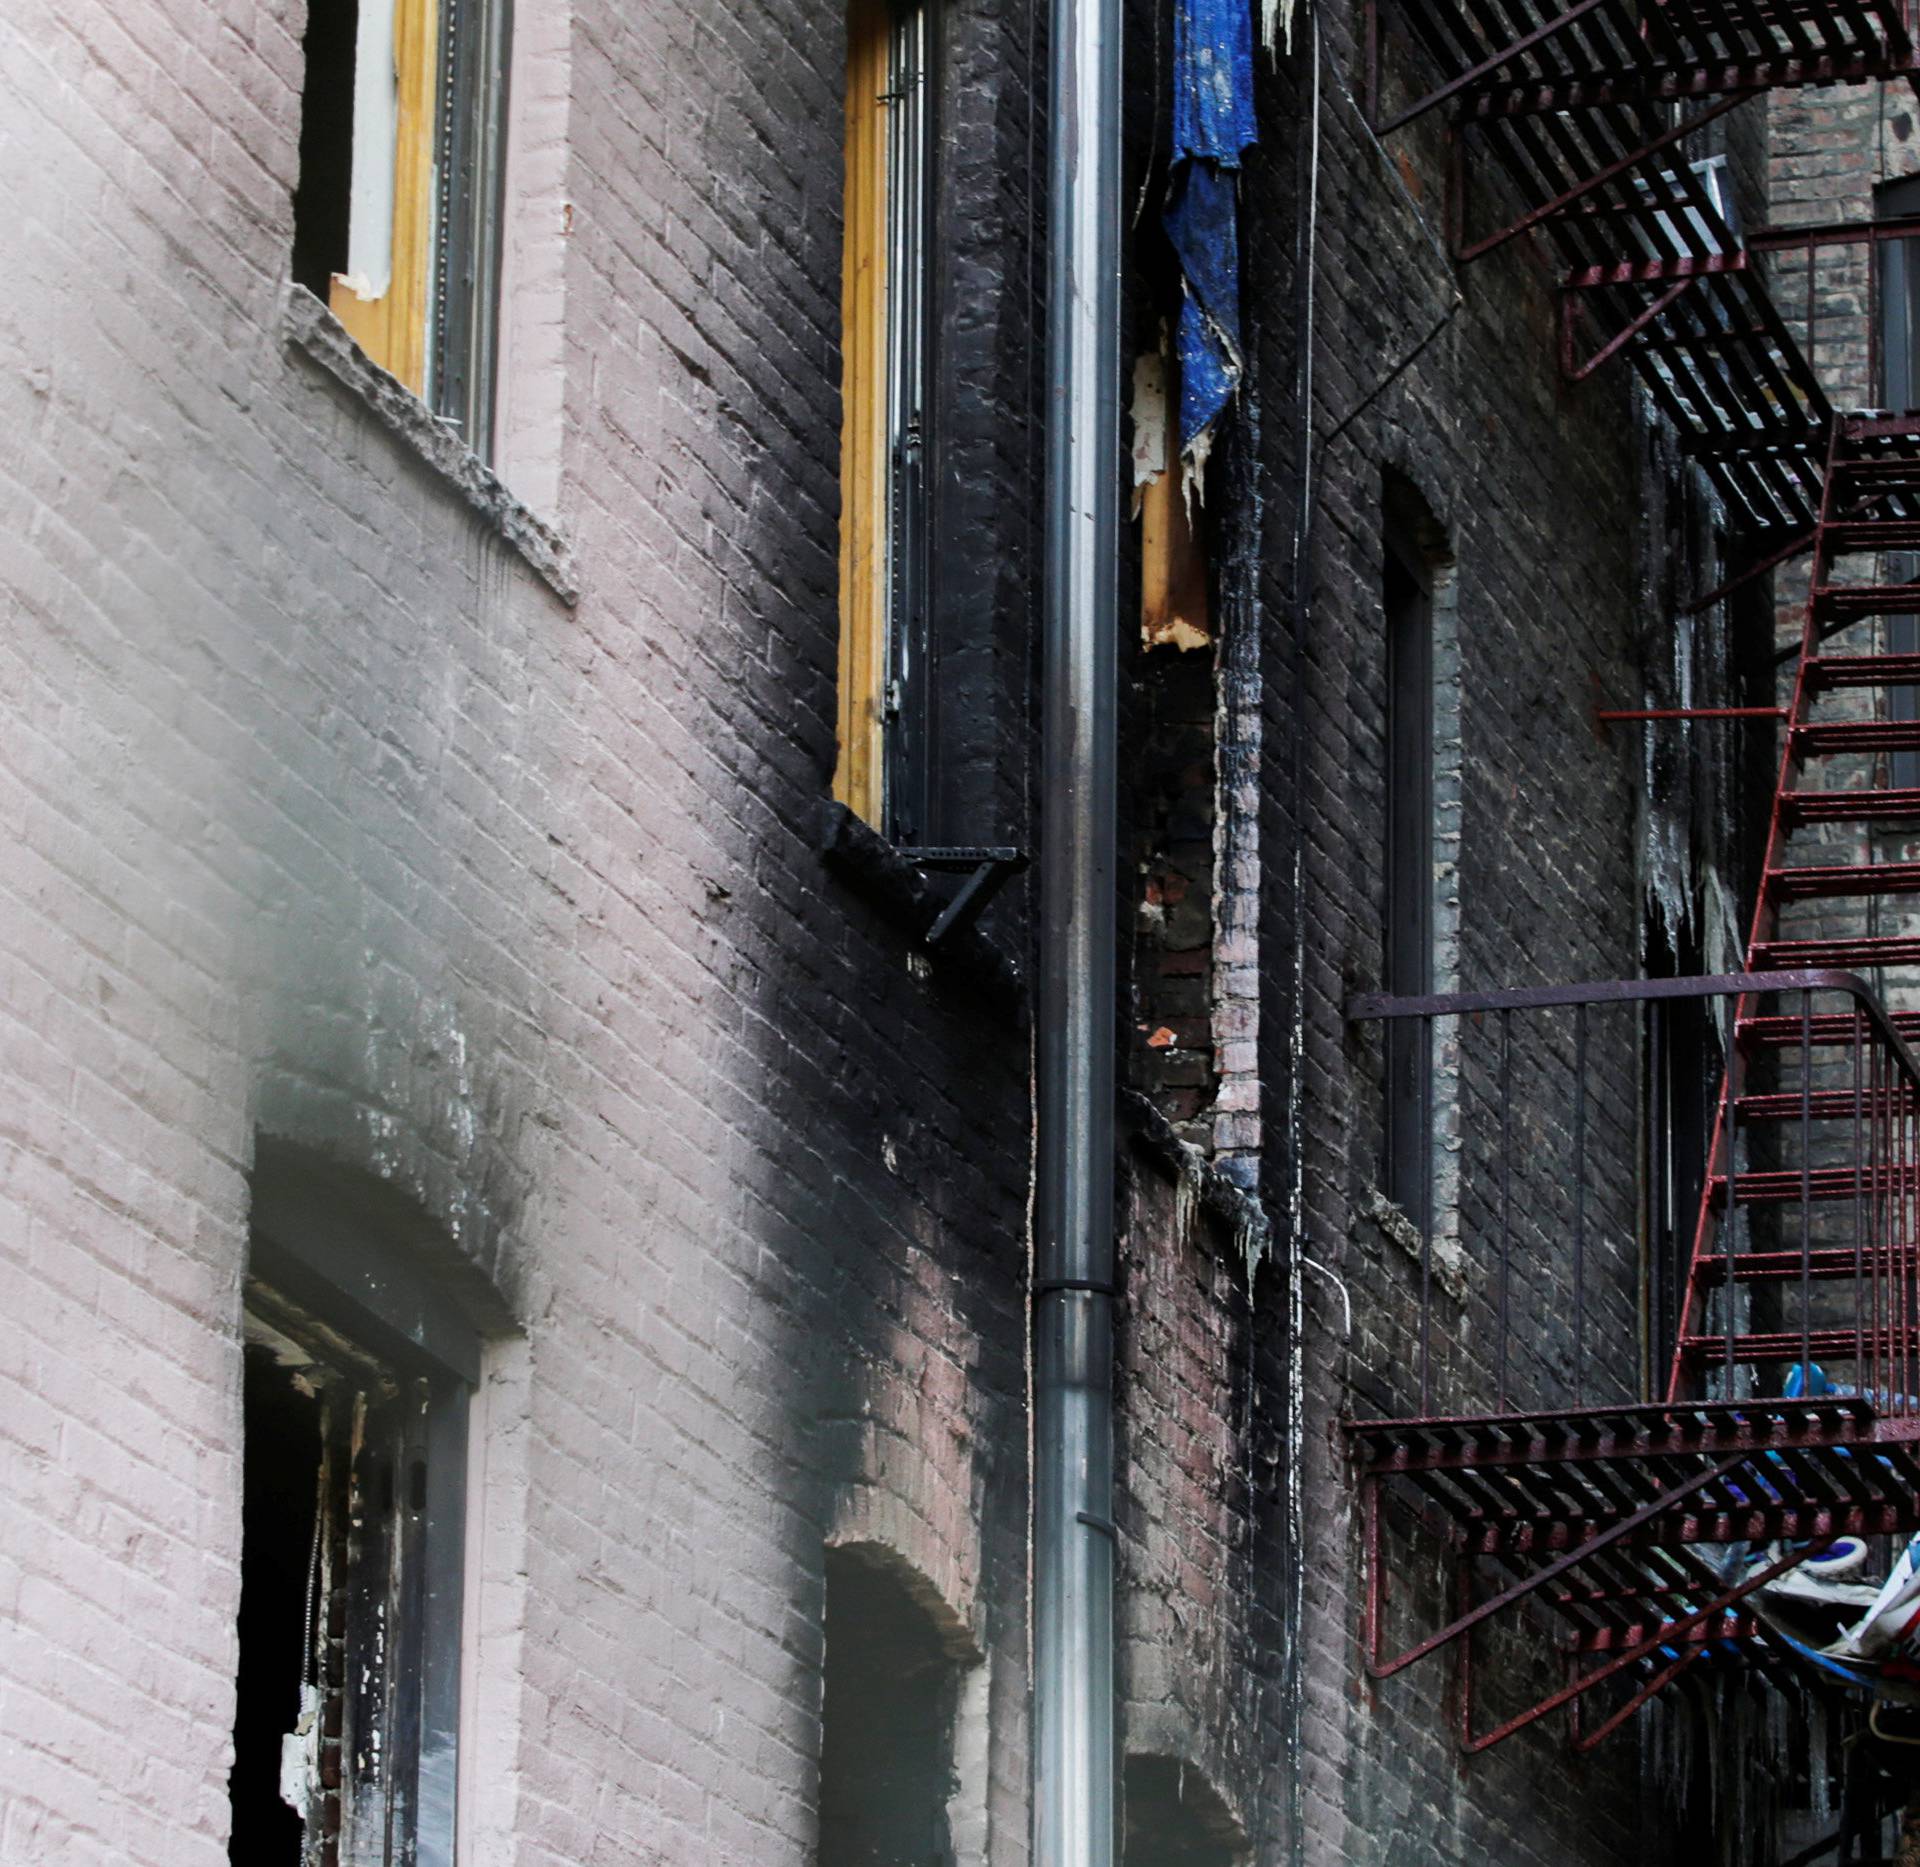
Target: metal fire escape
<point>1585,112</point>
<point>1546,1487</point>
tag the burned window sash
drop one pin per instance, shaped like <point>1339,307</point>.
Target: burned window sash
<point>887,770</point>
<point>367,1734</point>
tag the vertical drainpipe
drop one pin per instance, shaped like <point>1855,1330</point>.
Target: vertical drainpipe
<point>1073,1537</point>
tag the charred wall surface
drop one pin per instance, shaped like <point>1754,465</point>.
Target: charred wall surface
<point>461,834</point>
<point>1432,406</point>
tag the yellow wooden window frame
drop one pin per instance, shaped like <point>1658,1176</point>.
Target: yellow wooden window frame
<point>857,779</point>
<point>392,329</point>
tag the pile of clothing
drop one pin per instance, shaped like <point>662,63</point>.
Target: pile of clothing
<point>1825,1610</point>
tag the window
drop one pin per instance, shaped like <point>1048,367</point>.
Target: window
<point>1407,939</point>
<point>887,1720</point>
<point>1899,316</point>
<point>353,1531</point>
<point>885,758</point>
<point>397,213</point>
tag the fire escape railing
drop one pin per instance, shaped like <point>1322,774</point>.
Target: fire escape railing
<point>1554,1240</point>
<point>1586,110</point>
<point>1845,1063</point>
<point>1795,254</point>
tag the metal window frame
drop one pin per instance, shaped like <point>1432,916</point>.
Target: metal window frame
<point>464,317</point>
<point>1897,279</point>
<point>907,761</point>
<point>1409,840</point>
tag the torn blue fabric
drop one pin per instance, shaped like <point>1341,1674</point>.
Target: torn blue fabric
<point>1212,80</point>
<point>1213,123</point>
<point>1201,222</point>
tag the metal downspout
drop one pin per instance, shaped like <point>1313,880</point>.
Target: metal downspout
<point>1073,1754</point>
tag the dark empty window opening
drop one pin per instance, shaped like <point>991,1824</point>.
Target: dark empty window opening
<point>887,1718</point>
<point>353,1494</point>
<point>1175,1818</point>
<point>285,1431</point>
<point>325,188</point>
<point>1407,939</point>
<point>396,213</point>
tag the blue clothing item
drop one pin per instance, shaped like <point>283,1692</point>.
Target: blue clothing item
<point>1201,223</point>
<point>1212,80</point>
<point>1213,123</point>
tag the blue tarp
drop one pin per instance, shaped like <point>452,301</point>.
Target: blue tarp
<point>1212,80</point>
<point>1212,126</point>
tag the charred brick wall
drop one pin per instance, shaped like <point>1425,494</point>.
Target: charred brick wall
<point>1447,381</point>
<point>475,852</point>
<point>1203,1622</point>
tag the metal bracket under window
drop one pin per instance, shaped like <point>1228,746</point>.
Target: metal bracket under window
<point>991,868</point>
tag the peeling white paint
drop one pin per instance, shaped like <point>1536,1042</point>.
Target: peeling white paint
<point>1149,414</point>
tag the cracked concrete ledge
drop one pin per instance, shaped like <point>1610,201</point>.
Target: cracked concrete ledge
<point>312,329</point>
<point>1202,1182</point>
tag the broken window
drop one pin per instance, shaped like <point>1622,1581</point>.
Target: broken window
<point>884,766</point>
<point>887,1720</point>
<point>354,1485</point>
<point>397,211</point>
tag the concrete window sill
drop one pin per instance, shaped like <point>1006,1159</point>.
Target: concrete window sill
<point>1451,1270</point>
<point>1208,1186</point>
<point>312,329</point>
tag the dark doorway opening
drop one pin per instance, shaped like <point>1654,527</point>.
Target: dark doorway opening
<point>1175,1818</point>
<point>279,1504</point>
<point>886,1753</point>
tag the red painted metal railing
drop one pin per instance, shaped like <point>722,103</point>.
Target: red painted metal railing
<point>1777,1275</point>
<point>1563,1489</point>
<point>1824,1118</point>
<point>1844,321</point>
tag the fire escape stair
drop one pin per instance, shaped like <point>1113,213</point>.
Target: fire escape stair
<point>1646,1533</point>
<point>1576,102</point>
<point>1872,471</point>
<point>1877,805</point>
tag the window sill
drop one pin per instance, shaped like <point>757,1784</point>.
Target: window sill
<point>887,879</point>
<point>1394,1223</point>
<point>309,327</point>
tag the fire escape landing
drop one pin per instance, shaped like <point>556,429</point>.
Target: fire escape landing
<point>1648,1531</point>
<point>1585,111</point>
